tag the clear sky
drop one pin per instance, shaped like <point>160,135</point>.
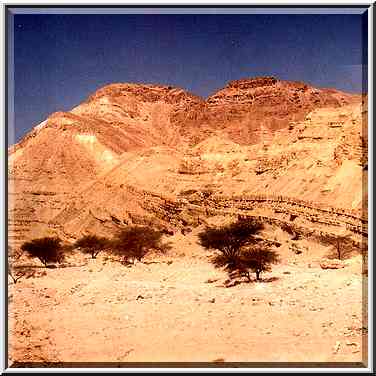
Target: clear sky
<point>61,59</point>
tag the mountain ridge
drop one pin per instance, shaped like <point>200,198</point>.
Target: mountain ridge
<point>114,89</point>
<point>129,152</point>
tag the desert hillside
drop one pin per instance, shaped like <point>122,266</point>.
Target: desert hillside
<point>136,153</point>
<point>291,156</point>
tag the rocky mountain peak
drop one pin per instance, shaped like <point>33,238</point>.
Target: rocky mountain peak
<point>253,82</point>
<point>143,92</point>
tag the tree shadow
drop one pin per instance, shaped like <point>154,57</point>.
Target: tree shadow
<point>270,279</point>
<point>22,267</point>
<point>150,262</point>
<point>50,266</point>
<point>240,280</point>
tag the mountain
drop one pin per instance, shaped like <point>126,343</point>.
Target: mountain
<point>158,155</point>
<point>251,110</point>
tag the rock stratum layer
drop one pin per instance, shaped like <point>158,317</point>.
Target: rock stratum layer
<point>285,151</point>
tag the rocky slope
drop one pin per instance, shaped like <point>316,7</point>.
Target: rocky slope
<point>72,149</point>
<point>250,111</point>
<point>156,154</point>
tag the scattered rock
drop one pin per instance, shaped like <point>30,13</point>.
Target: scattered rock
<point>219,360</point>
<point>211,280</point>
<point>336,347</point>
<point>332,264</point>
<point>87,303</point>
<point>231,283</point>
<point>125,354</point>
<point>212,300</point>
<point>348,343</point>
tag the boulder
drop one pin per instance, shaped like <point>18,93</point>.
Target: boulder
<point>332,264</point>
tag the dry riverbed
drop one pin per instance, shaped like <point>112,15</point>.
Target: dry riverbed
<point>175,308</point>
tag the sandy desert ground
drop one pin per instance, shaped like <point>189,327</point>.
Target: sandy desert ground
<point>175,308</point>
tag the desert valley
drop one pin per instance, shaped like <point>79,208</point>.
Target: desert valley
<point>288,155</point>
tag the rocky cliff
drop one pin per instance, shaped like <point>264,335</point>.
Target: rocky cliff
<point>249,111</point>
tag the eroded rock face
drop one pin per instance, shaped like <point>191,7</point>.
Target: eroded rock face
<point>158,155</point>
<point>250,111</point>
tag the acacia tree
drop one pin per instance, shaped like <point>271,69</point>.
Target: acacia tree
<point>259,259</point>
<point>339,243</point>
<point>341,253</point>
<point>47,249</point>
<point>92,244</point>
<point>12,257</point>
<point>134,242</point>
<point>15,272</point>
<point>241,249</point>
<point>230,240</point>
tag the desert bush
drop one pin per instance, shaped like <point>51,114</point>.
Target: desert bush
<point>135,242</point>
<point>92,244</point>
<point>230,240</point>
<point>15,272</point>
<point>47,249</point>
<point>240,247</point>
<point>12,257</point>
<point>290,229</point>
<point>341,245</point>
<point>258,259</point>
